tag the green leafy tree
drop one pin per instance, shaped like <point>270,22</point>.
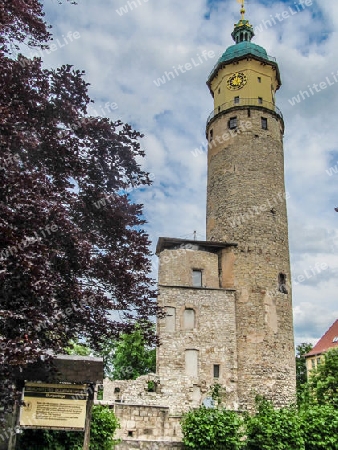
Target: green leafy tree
<point>130,357</point>
<point>273,429</point>
<point>217,429</point>
<point>301,373</point>
<point>323,381</point>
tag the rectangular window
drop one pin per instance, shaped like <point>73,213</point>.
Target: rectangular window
<point>219,90</point>
<point>313,363</point>
<point>197,278</point>
<point>259,79</point>
<point>170,319</point>
<point>189,319</point>
<point>260,101</point>
<point>318,360</point>
<point>191,363</point>
<point>233,123</point>
<point>236,100</point>
<point>211,135</point>
<point>216,370</point>
<point>264,123</point>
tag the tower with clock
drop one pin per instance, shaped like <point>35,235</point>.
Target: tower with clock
<point>228,327</point>
<point>228,299</point>
<point>246,204</point>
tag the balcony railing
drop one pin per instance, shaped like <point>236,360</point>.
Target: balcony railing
<point>245,102</point>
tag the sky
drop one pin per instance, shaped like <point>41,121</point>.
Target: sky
<point>125,47</point>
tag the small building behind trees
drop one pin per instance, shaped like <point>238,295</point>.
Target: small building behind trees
<point>328,341</point>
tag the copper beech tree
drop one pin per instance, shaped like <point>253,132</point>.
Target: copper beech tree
<point>70,264</point>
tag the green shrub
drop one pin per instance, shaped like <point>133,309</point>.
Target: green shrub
<point>273,429</point>
<point>216,429</point>
<point>103,427</point>
<point>320,427</point>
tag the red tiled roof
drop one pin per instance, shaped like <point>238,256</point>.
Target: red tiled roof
<point>329,340</point>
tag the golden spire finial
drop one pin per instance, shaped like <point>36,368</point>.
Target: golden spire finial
<point>242,2</point>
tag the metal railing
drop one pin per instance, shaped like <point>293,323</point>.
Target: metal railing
<point>245,102</point>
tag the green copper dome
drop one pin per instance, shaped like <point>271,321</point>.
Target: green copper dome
<point>242,49</point>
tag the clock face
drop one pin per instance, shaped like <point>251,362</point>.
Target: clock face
<point>236,81</point>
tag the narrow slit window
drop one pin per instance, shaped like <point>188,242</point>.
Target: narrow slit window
<point>197,278</point>
<point>211,135</point>
<point>264,123</point>
<point>282,283</point>
<point>260,100</point>
<point>219,90</point>
<point>236,100</point>
<point>259,79</point>
<point>216,371</point>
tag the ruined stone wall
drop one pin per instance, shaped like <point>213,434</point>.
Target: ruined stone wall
<point>147,445</point>
<point>246,204</point>
<point>147,423</point>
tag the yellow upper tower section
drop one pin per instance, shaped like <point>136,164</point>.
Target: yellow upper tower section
<point>244,75</point>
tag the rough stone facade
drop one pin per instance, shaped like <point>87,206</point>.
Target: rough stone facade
<point>246,204</point>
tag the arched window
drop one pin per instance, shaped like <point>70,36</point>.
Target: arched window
<point>189,317</point>
<point>170,319</point>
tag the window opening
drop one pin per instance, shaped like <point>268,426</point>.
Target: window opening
<point>233,123</point>
<point>282,283</point>
<point>197,278</point>
<point>189,319</point>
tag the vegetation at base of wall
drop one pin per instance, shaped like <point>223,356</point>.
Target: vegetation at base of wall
<point>102,429</point>
<point>103,426</point>
<point>217,429</point>
<point>273,429</point>
<point>319,427</point>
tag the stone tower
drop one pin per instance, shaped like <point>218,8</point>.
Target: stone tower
<point>227,299</point>
<point>246,204</point>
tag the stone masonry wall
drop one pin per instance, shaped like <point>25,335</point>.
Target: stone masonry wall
<point>147,423</point>
<point>213,335</point>
<point>147,445</point>
<point>246,204</point>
